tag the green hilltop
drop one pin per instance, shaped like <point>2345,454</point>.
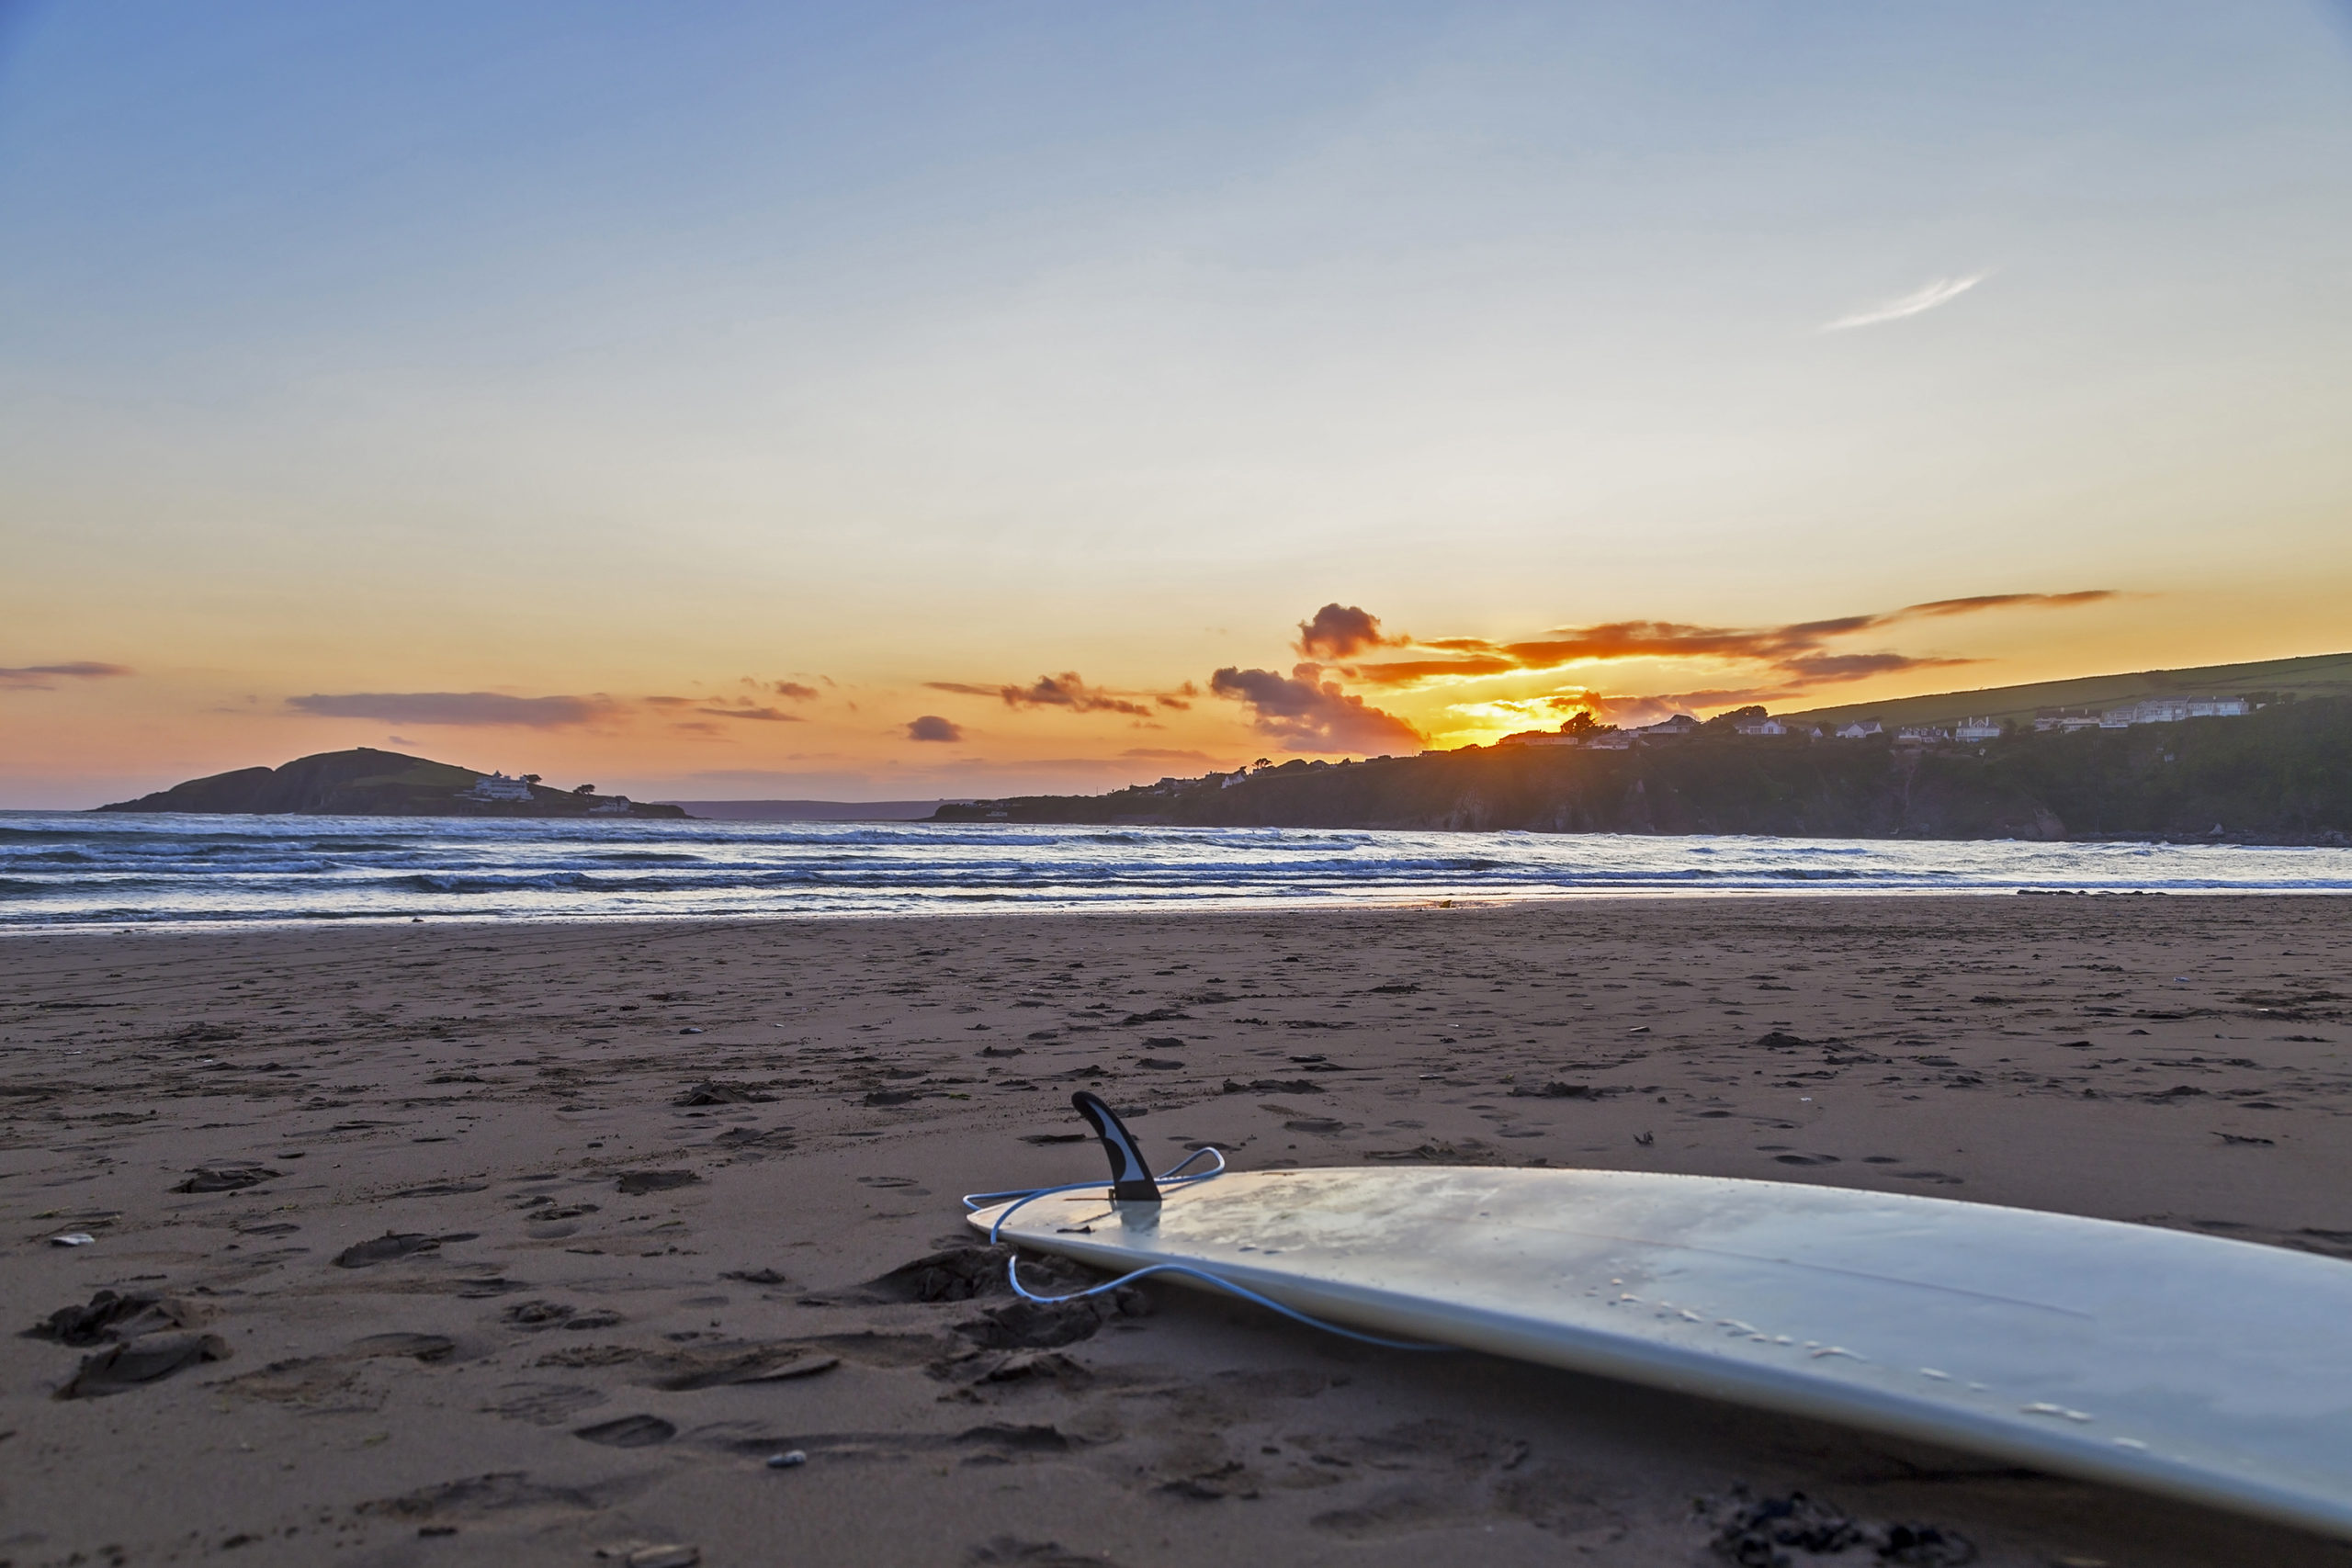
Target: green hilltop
<point>2320,675</point>
<point>365,782</point>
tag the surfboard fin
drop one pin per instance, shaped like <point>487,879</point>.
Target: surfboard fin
<point>1131,1179</point>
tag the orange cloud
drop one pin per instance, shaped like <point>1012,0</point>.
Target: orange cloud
<point>1798,650</point>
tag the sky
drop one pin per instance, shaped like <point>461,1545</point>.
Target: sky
<point>900,401</point>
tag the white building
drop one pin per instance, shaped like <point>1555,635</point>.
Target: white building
<point>1765,724</point>
<point>616,807</point>
<point>498,787</point>
<point>1860,730</point>
<point>1977,730</point>
<point>2172,710</point>
<point>1922,735</point>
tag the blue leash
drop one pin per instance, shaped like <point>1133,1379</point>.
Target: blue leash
<point>1173,1176</point>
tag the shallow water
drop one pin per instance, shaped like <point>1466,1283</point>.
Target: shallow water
<point>77,868</point>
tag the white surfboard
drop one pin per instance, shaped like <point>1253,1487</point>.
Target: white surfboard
<point>2219,1371</point>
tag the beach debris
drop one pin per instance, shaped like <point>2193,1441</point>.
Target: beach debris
<point>1011,1550</point>
<point>1158,1064</point>
<point>1043,1138</point>
<point>1401,989</point>
<point>151,1358</point>
<point>637,1183</point>
<point>650,1554</point>
<point>892,1096</point>
<point>1781,1040</point>
<point>755,1275</point>
<point>1555,1090</point>
<point>1646,1139</point>
<point>791,1459</point>
<point>719,1092</point>
<point>1764,1532</point>
<point>690,1030</point>
<point>112,1316</point>
<point>629,1432</point>
<point>393,1244</point>
<point>225,1178</point>
<point>73,1238</point>
<point>537,1313</point>
<point>1269,1085</point>
<point>1157,1015</point>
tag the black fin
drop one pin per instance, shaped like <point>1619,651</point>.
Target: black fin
<point>1131,1179</point>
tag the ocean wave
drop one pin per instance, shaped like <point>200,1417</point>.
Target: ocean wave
<point>64,868</point>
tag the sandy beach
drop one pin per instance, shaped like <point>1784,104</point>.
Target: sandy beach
<point>445,1242</point>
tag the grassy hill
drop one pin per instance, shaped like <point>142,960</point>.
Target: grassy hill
<point>2281,775</point>
<point>363,783</point>
<point>2321,675</point>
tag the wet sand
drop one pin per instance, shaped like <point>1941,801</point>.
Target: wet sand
<point>498,1245</point>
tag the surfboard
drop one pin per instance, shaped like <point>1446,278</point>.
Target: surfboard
<point>2215,1371</point>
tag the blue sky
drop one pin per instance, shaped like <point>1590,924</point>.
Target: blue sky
<point>635,351</point>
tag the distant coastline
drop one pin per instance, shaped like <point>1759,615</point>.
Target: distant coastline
<point>2282,775</point>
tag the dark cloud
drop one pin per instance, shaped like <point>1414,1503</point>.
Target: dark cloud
<point>748,710</point>
<point>42,677</point>
<point>931,727</point>
<point>469,708</point>
<point>1069,691</point>
<point>1308,714</point>
<point>794,690</point>
<point>2010,600</point>
<point>1340,631</point>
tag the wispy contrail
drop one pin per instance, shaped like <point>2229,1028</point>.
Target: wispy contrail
<point>1941,291</point>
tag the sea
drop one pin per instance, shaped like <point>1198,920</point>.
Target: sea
<point>87,870</point>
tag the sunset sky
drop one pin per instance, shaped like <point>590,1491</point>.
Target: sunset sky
<point>889,401</point>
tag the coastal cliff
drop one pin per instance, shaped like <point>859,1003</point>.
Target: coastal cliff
<point>368,783</point>
<point>2281,775</point>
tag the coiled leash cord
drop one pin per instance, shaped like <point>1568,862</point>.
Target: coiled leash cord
<point>1174,1177</point>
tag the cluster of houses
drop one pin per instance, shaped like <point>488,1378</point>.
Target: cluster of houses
<point>1756,721</point>
<point>2154,710</point>
<point>1967,732</point>
<point>495,788</point>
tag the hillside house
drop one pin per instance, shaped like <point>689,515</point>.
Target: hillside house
<point>1669,728</point>
<point>1975,729</point>
<point>1765,725</point>
<point>1860,730</point>
<point>498,787</point>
